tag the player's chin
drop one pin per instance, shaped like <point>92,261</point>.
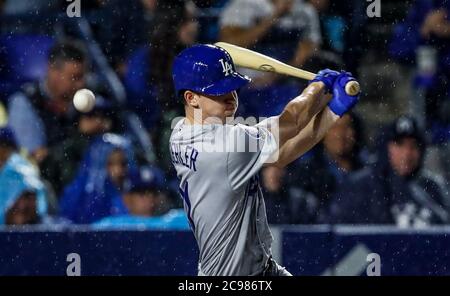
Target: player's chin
<point>230,112</point>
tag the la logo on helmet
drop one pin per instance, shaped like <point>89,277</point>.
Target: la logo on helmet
<point>227,68</point>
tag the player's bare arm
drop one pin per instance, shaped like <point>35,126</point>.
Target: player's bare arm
<point>247,37</point>
<point>306,49</point>
<point>300,111</point>
<point>322,112</point>
<point>308,137</point>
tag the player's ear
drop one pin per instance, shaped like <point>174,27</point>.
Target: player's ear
<point>191,99</point>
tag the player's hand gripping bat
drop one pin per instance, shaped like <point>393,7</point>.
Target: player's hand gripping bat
<point>253,60</point>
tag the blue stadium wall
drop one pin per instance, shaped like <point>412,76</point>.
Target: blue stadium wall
<point>304,250</point>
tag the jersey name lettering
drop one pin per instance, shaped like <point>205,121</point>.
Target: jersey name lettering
<point>184,155</point>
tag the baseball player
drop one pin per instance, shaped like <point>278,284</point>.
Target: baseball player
<point>218,163</point>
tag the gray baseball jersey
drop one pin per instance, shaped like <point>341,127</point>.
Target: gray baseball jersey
<point>218,170</point>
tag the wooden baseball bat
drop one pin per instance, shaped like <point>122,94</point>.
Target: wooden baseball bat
<point>253,60</point>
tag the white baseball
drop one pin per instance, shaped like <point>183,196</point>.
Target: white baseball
<point>84,100</point>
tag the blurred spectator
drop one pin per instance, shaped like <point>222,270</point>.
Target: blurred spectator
<point>176,29</point>
<point>396,190</point>
<point>437,160</point>
<point>356,33</point>
<point>320,5</point>
<point>209,10</point>
<point>119,28</point>
<point>101,179</point>
<point>60,167</point>
<point>3,115</point>
<point>206,3</point>
<point>276,196</point>
<point>143,196</point>
<point>431,20</point>
<point>42,114</point>
<point>332,23</point>
<point>130,26</point>
<point>150,5</point>
<point>22,194</point>
<point>434,50</point>
<point>142,200</point>
<point>288,30</point>
<point>32,7</point>
<point>22,15</point>
<point>424,37</point>
<point>285,204</point>
<point>332,163</point>
<point>148,72</point>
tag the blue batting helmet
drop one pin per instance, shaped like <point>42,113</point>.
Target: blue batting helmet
<point>206,69</point>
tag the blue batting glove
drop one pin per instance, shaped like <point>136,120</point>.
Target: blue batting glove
<point>328,77</point>
<point>341,102</point>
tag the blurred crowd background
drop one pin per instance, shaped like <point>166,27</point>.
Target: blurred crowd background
<point>387,162</point>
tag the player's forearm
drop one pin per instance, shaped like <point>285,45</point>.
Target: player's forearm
<point>308,137</point>
<point>304,51</point>
<point>300,111</point>
<point>247,37</point>
<point>443,30</point>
